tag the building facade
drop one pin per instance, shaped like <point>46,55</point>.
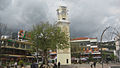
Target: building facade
<point>117,43</point>
<point>14,50</point>
<point>83,47</point>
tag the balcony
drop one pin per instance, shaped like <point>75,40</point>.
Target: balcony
<point>15,44</point>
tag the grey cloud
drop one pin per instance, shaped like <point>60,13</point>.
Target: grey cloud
<point>22,14</point>
<point>88,18</point>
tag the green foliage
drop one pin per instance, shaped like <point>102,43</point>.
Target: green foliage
<point>90,57</point>
<point>28,63</point>
<point>21,62</point>
<point>12,62</point>
<point>47,36</point>
<point>113,57</point>
<point>104,56</point>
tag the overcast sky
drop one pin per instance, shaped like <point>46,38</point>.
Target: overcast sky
<point>88,18</point>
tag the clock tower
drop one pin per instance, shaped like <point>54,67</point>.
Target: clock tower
<point>63,56</point>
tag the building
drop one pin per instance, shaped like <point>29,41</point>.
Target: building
<point>108,46</point>
<point>53,57</point>
<point>82,47</point>
<point>14,50</point>
<point>63,56</point>
<point>117,44</point>
<point>108,50</point>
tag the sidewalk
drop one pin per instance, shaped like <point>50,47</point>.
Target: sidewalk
<point>88,66</point>
<point>80,66</point>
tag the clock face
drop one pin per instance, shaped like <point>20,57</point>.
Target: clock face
<point>60,12</point>
<point>63,12</point>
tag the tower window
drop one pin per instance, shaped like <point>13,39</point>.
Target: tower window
<point>64,18</point>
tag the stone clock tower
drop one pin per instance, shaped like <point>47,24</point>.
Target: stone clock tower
<point>63,56</point>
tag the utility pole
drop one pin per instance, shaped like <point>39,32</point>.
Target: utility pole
<point>101,42</point>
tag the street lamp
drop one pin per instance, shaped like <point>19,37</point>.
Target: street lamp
<point>0,52</point>
<point>101,42</point>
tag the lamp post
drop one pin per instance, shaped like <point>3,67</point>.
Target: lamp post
<point>0,52</point>
<point>101,42</point>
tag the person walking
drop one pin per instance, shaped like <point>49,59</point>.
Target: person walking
<point>107,62</point>
<point>34,65</point>
<point>15,64</point>
<point>8,66</point>
<point>94,64</point>
<point>22,66</point>
<point>58,64</point>
<point>41,66</point>
<point>91,64</point>
<point>55,65</point>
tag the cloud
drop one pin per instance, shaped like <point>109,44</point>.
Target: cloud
<point>22,14</point>
<point>88,18</point>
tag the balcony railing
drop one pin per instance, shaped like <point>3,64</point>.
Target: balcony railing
<point>15,44</point>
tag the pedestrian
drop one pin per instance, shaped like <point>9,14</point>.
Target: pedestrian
<point>58,64</point>
<point>107,62</point>
<point>91,64</point>
<point>34,65</point>
<point>41,66</point>
<point>94,64</point>
<point>55,66</point>
<point>8,66</point>
<point>22,66</point>
<point>15,64</point>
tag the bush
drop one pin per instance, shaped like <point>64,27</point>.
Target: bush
<point>27,63</point>
<point>21,62</point>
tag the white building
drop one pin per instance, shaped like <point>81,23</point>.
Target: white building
<point>117,43</point>
<point>83,47</point>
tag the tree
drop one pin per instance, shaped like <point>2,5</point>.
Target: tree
<point>3,29</point>
<point>90,57</point>
<point>104,56</point>
<point>113,57</point>
<point>45,36</point>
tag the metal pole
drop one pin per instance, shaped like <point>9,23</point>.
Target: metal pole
<point>37,53</point>
<point>101,45</point>
<point>0,52</point>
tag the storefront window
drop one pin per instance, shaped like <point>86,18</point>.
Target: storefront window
<point>10,44</point>
<point>22,45</point>
<point>28,47</point>
<point>16,45</point>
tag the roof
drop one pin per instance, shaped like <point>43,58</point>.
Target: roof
<point>83,38</point>
<point>53,53</point>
